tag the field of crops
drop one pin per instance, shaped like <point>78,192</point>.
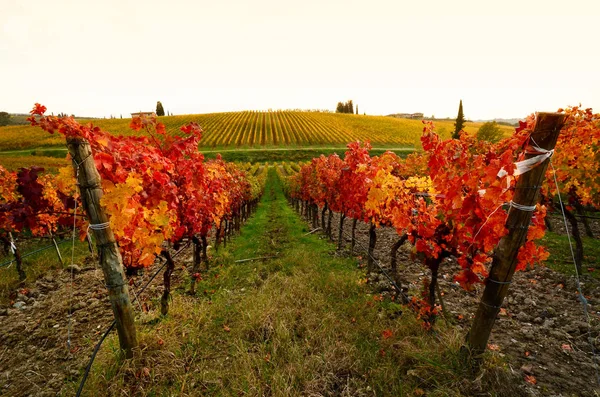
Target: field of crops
<point>252,129</point>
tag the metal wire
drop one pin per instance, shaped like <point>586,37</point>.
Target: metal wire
<point>582,298</point>
<point>33,252</point>
<point>378,263</point>
<point>88,367</point>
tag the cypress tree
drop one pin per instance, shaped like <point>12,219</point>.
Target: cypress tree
<point>356,109</point>
<point>460,122</point>
<point>160,111</point>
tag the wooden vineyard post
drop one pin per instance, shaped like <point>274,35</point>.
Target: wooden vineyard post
<point>18,259</point>
<point>108,252</point>
<point>527,189</point>
<point>60,258</point>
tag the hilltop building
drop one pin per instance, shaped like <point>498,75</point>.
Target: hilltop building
<point>407,115</point>
<point>143,114</point>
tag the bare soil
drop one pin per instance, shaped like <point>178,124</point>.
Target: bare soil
<point>541,331</point>
<point>41,347</point>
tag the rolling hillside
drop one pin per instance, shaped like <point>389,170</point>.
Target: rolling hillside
<point>258,129</point>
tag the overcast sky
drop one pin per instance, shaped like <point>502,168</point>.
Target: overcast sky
<point>503,58</point>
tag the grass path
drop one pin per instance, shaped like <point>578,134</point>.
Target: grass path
<point>301,324</point>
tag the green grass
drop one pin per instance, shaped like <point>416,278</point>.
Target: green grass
<point>560,254</point>
<point>36,265</point>
<point>297,154</point>
<point>54,158</point>
<point>299,324</point>
<point>14,161</point>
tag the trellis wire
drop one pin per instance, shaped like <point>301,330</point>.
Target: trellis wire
<point>4,264</point>
<point>73,260</point>
<point>378,263</point>
<point>582,298</point>
<point>112,325</point>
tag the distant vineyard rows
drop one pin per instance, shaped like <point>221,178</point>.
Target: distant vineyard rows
<point>243,129</point>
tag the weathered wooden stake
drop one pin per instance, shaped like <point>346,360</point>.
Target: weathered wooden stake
<point>372,242</point>
<point>60,258</point>
<point>394,260</point>
<point>341,231</point>
<point>108,252</point>
<point>164,300</point>
<point>18,259</point>
<point>527,189</point>
<point>352,243</point>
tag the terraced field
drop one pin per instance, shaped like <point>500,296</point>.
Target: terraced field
<point>259,129</point>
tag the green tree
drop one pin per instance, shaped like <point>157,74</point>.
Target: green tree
<point>160,111</point>
<point>460,122</point>
<point>340,108</point>
<point>356,109</point>
<point>490,132</point>
<point>4,118</point>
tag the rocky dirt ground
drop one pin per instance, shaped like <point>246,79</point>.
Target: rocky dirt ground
<point>542,331</point>
<point>36,357</point>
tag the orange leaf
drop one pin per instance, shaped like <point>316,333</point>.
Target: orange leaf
<point>226,328</point>
<point>530,379</point>
<point>387,333</point>
<point>493,347</point>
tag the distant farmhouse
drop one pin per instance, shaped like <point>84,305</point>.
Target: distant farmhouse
<point>143,114</point>
<point>407,115</point>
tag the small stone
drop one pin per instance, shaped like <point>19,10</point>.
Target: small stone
<point>77,306</point>
<point>73,268</point>
<point>557,334</point>
<point>527,333</point>
<point>583,327</point>
<point>412,372</point>
<point>529,302</point>
<point>538,320</point>
<point>19,305</point>
<point>549,323</point>
<point>527,369</point>
<point>48,278</point>
<point>3,312</point>
<point>522,316</point>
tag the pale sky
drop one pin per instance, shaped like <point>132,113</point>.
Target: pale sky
<point>504,58</point>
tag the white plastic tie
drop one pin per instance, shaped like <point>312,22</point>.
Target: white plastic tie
<point>529,164</point>
<point>13,247</point>
<point>528,208</point>
<point>99,226</point>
